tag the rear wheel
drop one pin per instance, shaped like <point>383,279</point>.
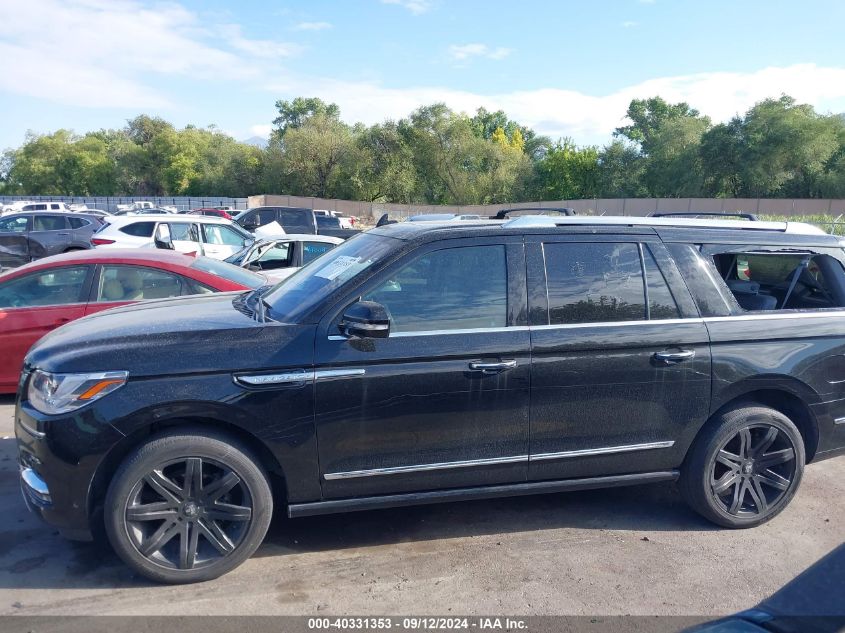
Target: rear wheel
<point>744,468</point>
<point>187,506</point>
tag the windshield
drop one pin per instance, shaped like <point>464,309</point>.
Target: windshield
<point>298,294</point>
<point>229,272</point>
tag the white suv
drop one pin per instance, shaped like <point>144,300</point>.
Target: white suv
<point>196,234</point>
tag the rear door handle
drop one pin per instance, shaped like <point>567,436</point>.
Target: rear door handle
<point>670,358</point>
<point>492,368</point>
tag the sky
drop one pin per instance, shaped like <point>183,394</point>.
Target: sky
<point>564,68</point>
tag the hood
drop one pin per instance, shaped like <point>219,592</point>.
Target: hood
<point>204,334</point>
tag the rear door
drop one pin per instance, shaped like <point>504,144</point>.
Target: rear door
<point>621,359</point>
<point>221,241</point>
<point>186,237</point>
<point>52,233</point>
<point>34,304</point>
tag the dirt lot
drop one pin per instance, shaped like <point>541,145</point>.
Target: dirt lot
<point>624,551</point>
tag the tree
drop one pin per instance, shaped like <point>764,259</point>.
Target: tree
<point>568,172</point>
<point>620,170</point>
<point>647,118</point>
<point>313,152</point>
<point>673,167</point>
<point>293,114</point>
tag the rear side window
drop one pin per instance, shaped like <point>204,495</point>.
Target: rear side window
<point>450,289</point>
<point>604,282</point>
<point>139,229</point>
<point>49,223</point>
<point>312,250</point>
<point>782,281</point>
<point>78,223</point>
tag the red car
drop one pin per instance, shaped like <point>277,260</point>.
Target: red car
<point>41,296</point>
<point>220,213</point>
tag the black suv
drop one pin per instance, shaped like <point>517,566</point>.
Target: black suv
<point>420,362</point>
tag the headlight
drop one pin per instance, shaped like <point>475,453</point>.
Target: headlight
<point>61,393</point>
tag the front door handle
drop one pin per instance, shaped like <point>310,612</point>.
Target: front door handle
<point>670,358</point>
<point>492,368</point>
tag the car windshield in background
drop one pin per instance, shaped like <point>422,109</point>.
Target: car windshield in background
<point>227,271</point>
<point>298,294</point>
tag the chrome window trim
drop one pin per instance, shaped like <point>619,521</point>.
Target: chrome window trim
<point>779,314</point>
<point>839,421</point>
<point>569,326</point>
<point>401,470</point>
<point>480,330</point>
<point>607,450</point>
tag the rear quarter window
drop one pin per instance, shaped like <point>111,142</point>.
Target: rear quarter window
<point>139,229</point>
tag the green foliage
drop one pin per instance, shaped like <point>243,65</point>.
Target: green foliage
<point>778,148</point>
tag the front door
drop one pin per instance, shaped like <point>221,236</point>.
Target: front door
<point>443,401</point>
<point>31,306</point>
<point>621,359</point>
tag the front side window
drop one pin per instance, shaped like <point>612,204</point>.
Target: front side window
<point>137,283</point>
<point>450,289</point>
<point>782,281</point>
<point>14,225</point>
<point>49,223</point>
<point>59,286</point>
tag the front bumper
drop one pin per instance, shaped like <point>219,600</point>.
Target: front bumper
<point>58,457</point>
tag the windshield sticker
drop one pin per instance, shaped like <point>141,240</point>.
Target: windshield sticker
<point>337,267</point>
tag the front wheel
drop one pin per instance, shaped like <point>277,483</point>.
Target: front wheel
<point>744,468</point>
<point>187,506</point>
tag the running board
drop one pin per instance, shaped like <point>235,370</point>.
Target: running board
<point>483,492</point>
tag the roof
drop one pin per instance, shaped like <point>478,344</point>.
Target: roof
<point>678,229</point>
<point>110,256</point>
<point>118,220</point>
<point>299,237</point>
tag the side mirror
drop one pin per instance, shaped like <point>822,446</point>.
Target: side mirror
<point>366,319</point>
<point>162,237</point>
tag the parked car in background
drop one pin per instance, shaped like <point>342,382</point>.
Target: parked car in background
<point>39,297</point>
<point>219,213</point>
<point>192,234</point>
<point>292,220</point>
<point>45,206</point>
<point>279,257</point>
<point>13,207</point>
<point>345,222</point>
<point>25,237</point>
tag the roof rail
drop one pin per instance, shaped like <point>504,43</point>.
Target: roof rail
<point>699,214</point>
<point>503,214</point>
<point>545,221</point>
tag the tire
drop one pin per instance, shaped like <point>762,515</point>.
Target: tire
<point>744,467</point>
<point>164,529</point>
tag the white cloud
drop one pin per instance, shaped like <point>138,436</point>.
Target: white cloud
<point>417,7</point>
<point>312,26</point>
<point>261,129</point>
<point>629,24</point>
<point>105,52</point>
<point>464,52</point>
<point>586,118</point>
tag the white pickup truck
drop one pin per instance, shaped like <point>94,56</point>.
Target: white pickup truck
<point>140,205</point>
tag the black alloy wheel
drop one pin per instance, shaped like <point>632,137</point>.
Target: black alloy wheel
<point>188,505</point>
<point>744,467</point>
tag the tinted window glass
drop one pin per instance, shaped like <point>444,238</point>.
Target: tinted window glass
<point>35,207</point>
<point>139,229</point>
<point>136,283</point>
<point>78,223</point>
<point>13,225</point>
<point>231,273</point>
<point>591,283</point>
<point>49,223</point>
<point>451,289</point>
<point>661,304</point>
<point>312,250</point>
<point>56,287</point>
